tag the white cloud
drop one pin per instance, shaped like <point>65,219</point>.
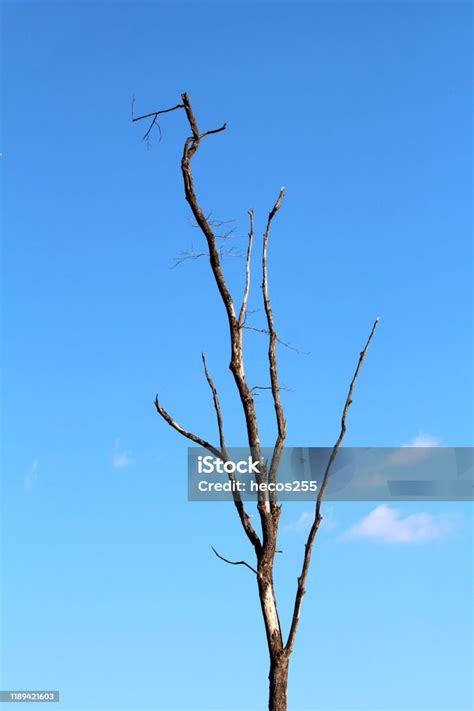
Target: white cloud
<point>387,525</point>
<point>31,476</point>
<point>415,450</point>
<point>302,523</point>
<point>121,459</point>
<point>305,520</point>
<point>423,439</point>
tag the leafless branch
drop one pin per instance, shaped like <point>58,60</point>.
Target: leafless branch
<point>234,562</point>
<point>192,254</point>
<point>155,113</point>
<point>191,145</point>
<point>223,236</point>
<point>236,365</point>
<point>147,135</point>
<point>285,344</point>
<point>213,222</point>
<point>300,591</point>
<point>189,435</point>
<point>185,256</point>
<point>269,387</point>
<point>268,515</point>
<point>272,343</point>
<point>243,308</point>
<point>214,130</point>
<point>243,515</point>
<point>217,406</point>
<point>154,122</point>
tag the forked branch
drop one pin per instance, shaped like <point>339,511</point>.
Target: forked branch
<point>154,115</point>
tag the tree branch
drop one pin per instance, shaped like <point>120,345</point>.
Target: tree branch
<point>300,591</point>
<point>252,535</point>
<point>214,130</point>
<point>191,145</point>
<point>189,435</point>
<point>272,343</point>
<point>236,362</point>
<point>234,562</point>
<point>193,255</point>
<point>217,406</point>
<point>286,344</point>
<point>155,115</point>
<point>243,308</point>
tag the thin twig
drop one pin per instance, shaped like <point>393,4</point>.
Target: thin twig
<point>184,256</point>
<point>234,562</point>
<point>156,113</point>
<point>154,122</point>
<point>146,137</point>
<point>192,254</point>
<point>214,130</point>
<point>285,344</point>
<point>269,387</point>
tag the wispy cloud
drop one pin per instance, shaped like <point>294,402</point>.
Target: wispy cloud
<point>302,523</point>
<point>29,480</point>
<point>423,439</point>
<point>305,519</point>
<point>121,459</point>
<point>387,525</point>
<point>415,450</point>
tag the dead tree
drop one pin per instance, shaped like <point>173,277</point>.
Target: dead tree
<point>264,541</point>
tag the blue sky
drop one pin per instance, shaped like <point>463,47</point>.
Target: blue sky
<point>362,110</point>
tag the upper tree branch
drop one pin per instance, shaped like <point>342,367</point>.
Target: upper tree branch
<point>300,591</point>
<point>155,115</point>
<point>272,343</point>
<point>235,332</point>
<point>243,308</point>
<point>236,365</point>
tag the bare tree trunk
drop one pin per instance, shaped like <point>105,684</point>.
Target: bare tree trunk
<point>279,656</point>
<point>278,678</point>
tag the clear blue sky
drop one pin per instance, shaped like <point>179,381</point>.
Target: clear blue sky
<point>362,110</point>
